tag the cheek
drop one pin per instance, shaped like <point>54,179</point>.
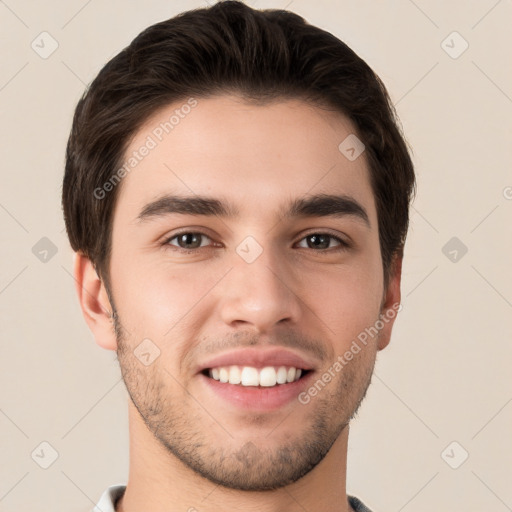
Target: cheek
<point>346,300</point>
<point>159,301</point>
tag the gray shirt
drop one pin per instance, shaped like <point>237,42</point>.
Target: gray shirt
<point>109,498</point>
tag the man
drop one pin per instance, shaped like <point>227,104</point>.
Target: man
<point>237,194</point>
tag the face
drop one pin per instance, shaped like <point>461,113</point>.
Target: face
<point>245,246</point>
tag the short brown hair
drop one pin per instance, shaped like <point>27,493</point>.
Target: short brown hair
<point>262,55</point>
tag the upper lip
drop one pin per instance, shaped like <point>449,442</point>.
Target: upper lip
<point>258,358</point>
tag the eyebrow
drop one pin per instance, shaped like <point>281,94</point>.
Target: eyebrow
<point>318,205</point>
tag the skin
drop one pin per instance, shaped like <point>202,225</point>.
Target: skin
<point>190,449</point>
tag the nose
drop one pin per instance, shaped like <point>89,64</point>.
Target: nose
<point>260,294</point>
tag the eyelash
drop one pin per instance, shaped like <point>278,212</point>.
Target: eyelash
<point>343,245</point>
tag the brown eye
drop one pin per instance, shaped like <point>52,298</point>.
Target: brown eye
<point>189,240</point>
<point>322,241</point>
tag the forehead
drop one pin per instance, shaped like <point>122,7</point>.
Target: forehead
<point>258,156</point>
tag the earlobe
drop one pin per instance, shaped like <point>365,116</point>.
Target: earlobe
<point>94,302</point>
<point>391,302</point>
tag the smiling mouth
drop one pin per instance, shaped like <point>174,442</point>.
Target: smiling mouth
<point>249,376</point>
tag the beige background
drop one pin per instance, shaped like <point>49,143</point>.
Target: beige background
<point>445,376</point>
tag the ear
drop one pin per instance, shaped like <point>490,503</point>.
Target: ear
<point>94,301</point>
<point>391,301</point>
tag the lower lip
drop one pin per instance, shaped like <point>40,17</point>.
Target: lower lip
<point>258,398</point>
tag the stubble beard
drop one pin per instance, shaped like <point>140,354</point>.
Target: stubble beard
<point>179,422</point>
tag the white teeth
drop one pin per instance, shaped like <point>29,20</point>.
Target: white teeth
<point>223,374</point>
<point>281,375</point>
<point>250,376</point>
<point>234,375</point>
<point>268,376</point>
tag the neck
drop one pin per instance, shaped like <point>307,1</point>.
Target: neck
<point>160,482</point>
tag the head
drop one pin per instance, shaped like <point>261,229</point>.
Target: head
<point>237,178</point>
